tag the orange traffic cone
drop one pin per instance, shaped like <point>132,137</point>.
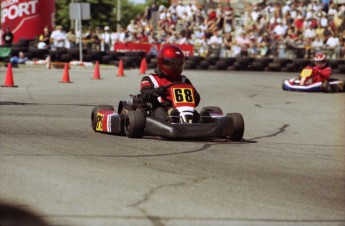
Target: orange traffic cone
<point>96,74</point>
<point>120,71</point>
<point>143,66</point>
<point>9,77</point>
<point>65,75</point>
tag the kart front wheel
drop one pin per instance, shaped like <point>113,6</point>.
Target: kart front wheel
<point>238,126</point>
<point>207,112</point>
<point>135,124</point>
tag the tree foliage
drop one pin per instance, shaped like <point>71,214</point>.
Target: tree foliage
<point>103,12</point>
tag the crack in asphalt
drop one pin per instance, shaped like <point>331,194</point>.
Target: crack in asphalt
<point>210,219</point>
<point>281,130</point>
<point>155,220</point>
<point>152,191</point>
<point>203,148</point>
<point>43,104</point>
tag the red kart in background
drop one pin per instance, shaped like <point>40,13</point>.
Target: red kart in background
<point>304,83</point>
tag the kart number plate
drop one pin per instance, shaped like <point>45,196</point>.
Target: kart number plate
<point>183,95</point>
<point>305,73</point>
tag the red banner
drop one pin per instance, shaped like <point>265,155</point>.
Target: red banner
<point>188,50</point>
<point>27,18</point>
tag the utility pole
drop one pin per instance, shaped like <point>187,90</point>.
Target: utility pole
<point>118,15</point>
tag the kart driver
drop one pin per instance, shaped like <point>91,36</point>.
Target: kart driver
<point>321,71</point>
<point>153,87</point>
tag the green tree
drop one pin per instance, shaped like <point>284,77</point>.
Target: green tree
<point>103,12</point>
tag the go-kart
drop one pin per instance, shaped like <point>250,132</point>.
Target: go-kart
<point>304,83</point>
<point>134,118</point>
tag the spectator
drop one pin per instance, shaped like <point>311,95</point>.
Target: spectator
<point>71,39</point>
<point>228,20</point>
<point>227,44</point>
<point>106,39</point>
<point>309,32</point>
<point>122,35</point>
<point>280,29</point>
<point>317,44</point>
<point>324,20</point>
<point>20,59</point>
<point>95,43</point>
<point>131,27</point>
<point>215,44</point>
<point>298,24</point>
<point>264,50</point>
<point>8,36</point>
<point>319,31</point>
<point>243,42</point>
<point>59,37</point>
<point>333,45</point>
<point>308,48</point>
<point>44,39</point>
<point>201,47</point>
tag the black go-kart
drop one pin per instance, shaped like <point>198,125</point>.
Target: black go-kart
<point>134,118</point>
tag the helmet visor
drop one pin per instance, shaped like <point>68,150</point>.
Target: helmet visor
<point>174,63</point>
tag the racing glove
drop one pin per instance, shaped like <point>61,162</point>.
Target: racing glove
<point>160,91</point>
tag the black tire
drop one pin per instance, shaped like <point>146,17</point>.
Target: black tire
<point>66,58</point>
<point>135,124</point>
<point>341,68</point>
<point>195,59</point>
<point>257,66</point>
<point>274,66</point>
<point>332,89</point>
<point>238,125</point>
<point>213,67</point>
<point>211,109</point>
<point>107,58</point>
<point>97,108</point>
<point>205,113</point>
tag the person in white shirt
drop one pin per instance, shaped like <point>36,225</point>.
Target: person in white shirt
<point>215,39</point>
<point>309,32</point>
<point>59,37</point>
<point>280,29</point>
<point>333,45</point>
<point>106,39</point>
<point>317,44</point>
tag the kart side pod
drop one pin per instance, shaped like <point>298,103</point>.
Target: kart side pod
<point>105,119</point>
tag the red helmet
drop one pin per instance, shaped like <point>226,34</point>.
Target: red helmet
<point>320,59</point>
<point>171,61</point>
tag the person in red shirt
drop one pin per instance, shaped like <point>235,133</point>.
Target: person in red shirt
<point>321,71</point>
<point>153,86</point>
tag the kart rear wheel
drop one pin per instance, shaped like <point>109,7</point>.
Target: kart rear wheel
<point>238,125</point>
<point>332,88</point>
<point>135,124</point>
<point>94,117</point>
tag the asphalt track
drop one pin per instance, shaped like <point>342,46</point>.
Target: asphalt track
<point>288,170</point>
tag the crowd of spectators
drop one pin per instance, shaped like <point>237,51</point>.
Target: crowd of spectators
<point>284,29</point>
